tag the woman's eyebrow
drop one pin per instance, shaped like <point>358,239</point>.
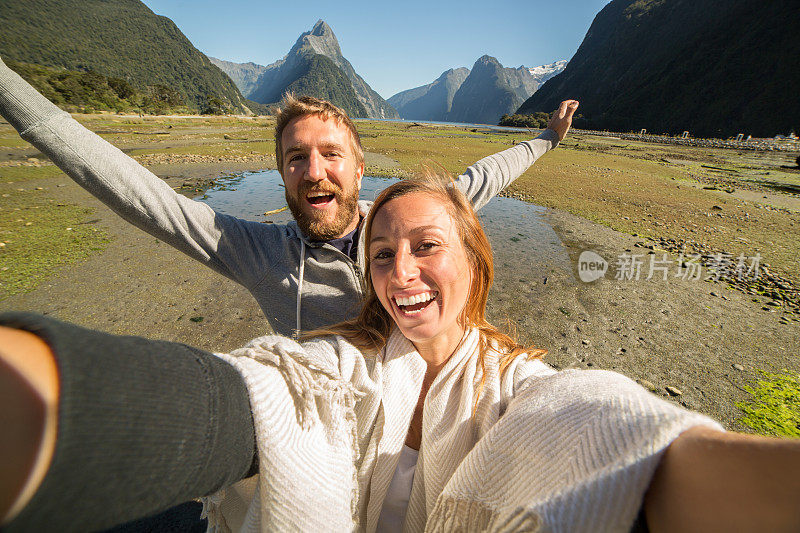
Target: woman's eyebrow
<point>418,229</point>
<point>430,227</point>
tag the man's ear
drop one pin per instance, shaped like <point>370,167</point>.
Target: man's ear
<point>359,174</point>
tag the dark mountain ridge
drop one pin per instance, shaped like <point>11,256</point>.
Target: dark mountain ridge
<point>117,38</point>
<point>488,93</point>
<point>712,68</point>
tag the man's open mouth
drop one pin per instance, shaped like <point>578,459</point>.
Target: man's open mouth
<point>414,304</point>
<point>320,198</point>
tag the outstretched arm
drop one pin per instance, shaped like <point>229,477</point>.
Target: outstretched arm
<point>714,481</point>
<point>133,192</point>
<point>485,179</point>
<point>142,425</point>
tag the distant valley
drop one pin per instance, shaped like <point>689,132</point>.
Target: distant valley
<point>480,95</point>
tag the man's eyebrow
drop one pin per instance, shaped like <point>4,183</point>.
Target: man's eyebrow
<point>301,147</point>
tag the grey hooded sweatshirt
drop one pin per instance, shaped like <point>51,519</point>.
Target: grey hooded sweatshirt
<point>299,284</point>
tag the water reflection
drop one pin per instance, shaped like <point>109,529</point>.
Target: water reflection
<point>526,248</point>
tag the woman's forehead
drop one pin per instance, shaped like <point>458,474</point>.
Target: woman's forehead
<point>411,213</point>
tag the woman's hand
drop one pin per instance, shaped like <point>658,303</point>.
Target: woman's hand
<point>561,121</point>
<point>709,480</point>
<point>29,389</point>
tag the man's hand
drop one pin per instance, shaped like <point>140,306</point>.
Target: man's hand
<point>562,119</point>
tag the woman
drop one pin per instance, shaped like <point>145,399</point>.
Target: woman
<point>503,442</point>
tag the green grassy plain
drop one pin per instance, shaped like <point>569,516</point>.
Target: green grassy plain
<point>639,188</point>
<point>38,235</point>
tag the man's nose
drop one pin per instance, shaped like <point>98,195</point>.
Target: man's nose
<point>405,267</point>
<point>316,167</point>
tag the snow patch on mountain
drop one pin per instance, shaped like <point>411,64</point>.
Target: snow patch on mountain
<point>542,73</point>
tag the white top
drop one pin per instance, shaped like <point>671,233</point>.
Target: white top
<point>395,504</point>
<point>572,451</point>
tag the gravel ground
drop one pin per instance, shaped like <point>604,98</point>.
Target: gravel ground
<point>702,340</point>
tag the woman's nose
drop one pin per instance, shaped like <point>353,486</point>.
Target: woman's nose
<point>405,267</point>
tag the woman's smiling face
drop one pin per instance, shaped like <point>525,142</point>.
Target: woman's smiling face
<point>420,271</point>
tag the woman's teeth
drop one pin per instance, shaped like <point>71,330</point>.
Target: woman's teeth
<point>415,304</point>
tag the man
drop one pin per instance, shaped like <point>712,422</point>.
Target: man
<point>305,274</point>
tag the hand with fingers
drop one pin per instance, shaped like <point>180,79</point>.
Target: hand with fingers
<point>561,121</point>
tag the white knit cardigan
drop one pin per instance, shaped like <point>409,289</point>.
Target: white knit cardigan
<point>544,450</point>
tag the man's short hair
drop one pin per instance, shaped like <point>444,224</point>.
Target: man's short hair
<point>293,107</point>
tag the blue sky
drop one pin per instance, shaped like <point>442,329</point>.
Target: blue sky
<point>393,46</point>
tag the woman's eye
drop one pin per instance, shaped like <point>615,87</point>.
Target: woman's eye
<point>427,246</point>
<point>383,254</point>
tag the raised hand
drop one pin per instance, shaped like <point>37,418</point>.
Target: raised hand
<point>562,119</point>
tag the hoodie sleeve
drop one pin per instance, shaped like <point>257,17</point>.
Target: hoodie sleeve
<point>485,179</point>
<point>233,247</point>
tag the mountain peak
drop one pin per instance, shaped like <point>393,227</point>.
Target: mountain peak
<point>321,40</point>
<point>486,63</point>
<point>321,29</point>
<point>315,64</point>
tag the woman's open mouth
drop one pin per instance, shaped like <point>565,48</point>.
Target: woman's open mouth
<point>413,305</point>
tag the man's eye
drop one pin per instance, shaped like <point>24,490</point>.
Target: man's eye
<point>333,155</point>
<point>296,157</point>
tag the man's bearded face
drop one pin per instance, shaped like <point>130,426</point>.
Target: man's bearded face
<point>320,224</point>
<point>321,176</point>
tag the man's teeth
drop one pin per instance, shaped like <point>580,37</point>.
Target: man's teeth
<point>416,299</point>
<point>318,194</point>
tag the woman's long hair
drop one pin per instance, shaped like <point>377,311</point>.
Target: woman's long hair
<point>371,328</point>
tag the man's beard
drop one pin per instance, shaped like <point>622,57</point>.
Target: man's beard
<point>315,224</point>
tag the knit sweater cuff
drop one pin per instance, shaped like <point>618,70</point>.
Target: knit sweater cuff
<point>549,135</point>
<point>20,104</point>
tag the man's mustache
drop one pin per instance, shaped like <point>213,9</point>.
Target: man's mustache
<point>306,189</point>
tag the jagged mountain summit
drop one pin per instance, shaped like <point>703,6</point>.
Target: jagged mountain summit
<point>712,68</point>
<point>119,38</point>
<point>492,90</point>
<point>315,66</point>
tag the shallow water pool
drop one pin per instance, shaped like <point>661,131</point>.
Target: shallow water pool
<point>526,248</point>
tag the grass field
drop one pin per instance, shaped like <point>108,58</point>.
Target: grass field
<point>651,190</point>
<point>704,199</point>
